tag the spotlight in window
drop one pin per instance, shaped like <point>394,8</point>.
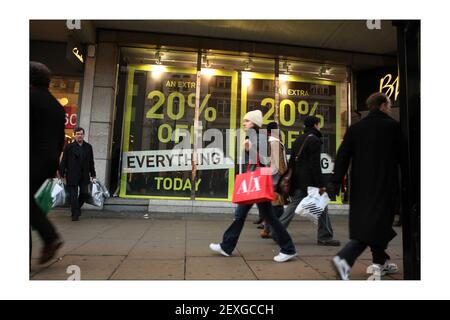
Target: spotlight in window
<point>158,57</point>
<point>246,79</point>
<point>248,64</point>
<point>157,71</point>
<point>63,101</point>
<point>284,77</point>
<point>207,72</point>
<point>324,71</point>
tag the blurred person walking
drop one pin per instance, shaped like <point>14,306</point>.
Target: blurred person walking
<point>47,121</point>
<point>372,148</point>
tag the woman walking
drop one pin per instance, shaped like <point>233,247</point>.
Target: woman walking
<point>254,146</point>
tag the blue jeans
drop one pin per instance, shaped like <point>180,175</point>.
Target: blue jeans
<point>231,235</point>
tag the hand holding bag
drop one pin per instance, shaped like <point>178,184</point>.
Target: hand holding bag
<point>313,205</point>
<point>97,194</point>
<point>60,195</point>
<point>43,196</point>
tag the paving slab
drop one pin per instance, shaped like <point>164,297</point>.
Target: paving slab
<point>105,247</point>
<point>217,268</point>
<point>132,269</point>
<point>91,268</point>
<point>162,250</point>
<point>126,232</point>
<point>295,269</point>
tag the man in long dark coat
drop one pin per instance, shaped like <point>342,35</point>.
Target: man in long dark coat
<point>47,118</point>
<point>372,146</point>
<point>77,166</point>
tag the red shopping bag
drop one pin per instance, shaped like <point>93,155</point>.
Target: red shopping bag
<point>254,187</point>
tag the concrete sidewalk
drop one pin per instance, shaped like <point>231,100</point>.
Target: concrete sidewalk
<point>175,247</point>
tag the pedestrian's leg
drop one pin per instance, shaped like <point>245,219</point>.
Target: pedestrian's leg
<point>352,251</point>
<point>325,230</point>
<point>278,212</point>
<point>44,227</point>
<point>231,235</point>
<point>84,195</point>
<point>74,203</point>
<point>283,238</point>
<point>289,213</point>
<point>39,220</point>
<point>379,255</point>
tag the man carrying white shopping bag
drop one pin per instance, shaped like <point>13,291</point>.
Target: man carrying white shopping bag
<point>77,167</point>
<point>305,171</point>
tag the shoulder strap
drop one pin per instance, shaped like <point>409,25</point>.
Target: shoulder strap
<point>301,148</point>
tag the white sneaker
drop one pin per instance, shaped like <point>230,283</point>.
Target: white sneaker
<point>377,270</point>
<point>342,268</point>
<point>282,257</point>
<point>389,268</point>
<point>217,248</point>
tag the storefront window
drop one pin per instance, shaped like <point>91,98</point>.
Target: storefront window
<point>159,130</point>
<point>67,91</point>
<point>161,97</point>
<point>307,89</point>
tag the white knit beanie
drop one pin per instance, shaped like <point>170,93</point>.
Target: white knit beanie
<point>255,117</point>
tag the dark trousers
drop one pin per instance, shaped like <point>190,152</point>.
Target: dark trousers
<point>77,201</point>
<point>231,235</point>
<point>355,248</point>
<point>38,220</point>
<point>278,212</point>
<point>324,230</point>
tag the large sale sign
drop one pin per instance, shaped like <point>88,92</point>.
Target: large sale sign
<point>161,104</point>
<point>158,148</point>
<point>71,117</point>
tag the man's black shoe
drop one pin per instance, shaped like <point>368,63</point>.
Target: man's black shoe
<point>329,243</point>
<point>75,218</point>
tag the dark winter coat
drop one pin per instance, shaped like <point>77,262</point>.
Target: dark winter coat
<point>47,118</point>
<point>307,170</point>
<point>77,164</point>
<point>372,146</point>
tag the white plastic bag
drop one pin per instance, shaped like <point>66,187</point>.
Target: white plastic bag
<point>104,190</point>
<point>97,194</point>
<point>59,194</point>
<point>313,205</point>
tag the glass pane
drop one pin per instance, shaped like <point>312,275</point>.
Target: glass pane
<point>218,94</point>
<point>258,91</point>
<point>308,89</point>
<point>159,115</point>
<point>67,91</point>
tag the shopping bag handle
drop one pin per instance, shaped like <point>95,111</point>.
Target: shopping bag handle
<point>258,164</point>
